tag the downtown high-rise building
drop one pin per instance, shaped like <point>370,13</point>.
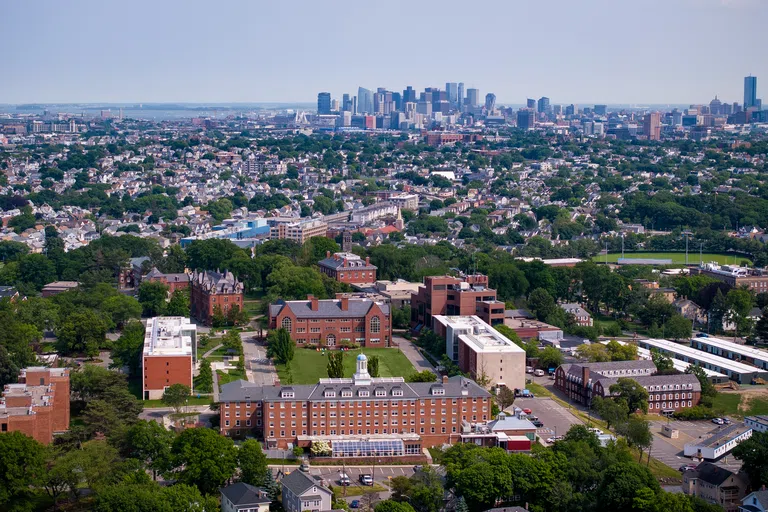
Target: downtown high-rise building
<point>364,101</point>
<point>490,102</point>
<point>473,98</point>
<point>601,110</point>
<point>323,103</point>
<point>652,126</point>
<point>346,103</point>
<point>460,97</point>
<point>750,92</point>
<point>530,103</point>
<point>452,89</point>
<point>526,118</point>
<point>409,95</point>
<point>544,105</point>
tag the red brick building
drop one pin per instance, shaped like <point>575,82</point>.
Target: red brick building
<point>172,281</point>
<point>170,349</point>
<point>38,405</point>
<point>346,267</point>
<point>214,289</point>
<point>455,296</point>
<point>361,416</point>
<point>333,322</point>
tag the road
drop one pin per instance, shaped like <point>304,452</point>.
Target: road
<point>414,356</point>
<point>258,368</point>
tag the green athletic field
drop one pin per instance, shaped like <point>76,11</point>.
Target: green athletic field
<point>676,257</point>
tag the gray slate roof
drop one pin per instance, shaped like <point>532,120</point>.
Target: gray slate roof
<point>327,308</point>
<point>299,482</point>
<point>244,494</point>
<point>640,364</point>
<point>656,380</point>
<point>760,496</point>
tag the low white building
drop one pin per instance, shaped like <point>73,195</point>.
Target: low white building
<point>718,444</point>
<point>758,423</point>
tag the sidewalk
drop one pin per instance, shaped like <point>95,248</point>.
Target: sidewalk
<point>419,362</point>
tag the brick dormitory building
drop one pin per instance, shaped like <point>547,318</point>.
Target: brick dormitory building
<point>38,405</point>
<point>170,350</point>
<point>214,289</point>
<point>348,268</point>
<point>666,393</point>
<point>455,296</point>
<point>361,416</point>
<point>333,322</point>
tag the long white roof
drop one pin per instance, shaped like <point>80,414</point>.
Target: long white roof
<point>700,355</point>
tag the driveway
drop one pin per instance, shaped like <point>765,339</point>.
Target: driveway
<point>258,368</point>
<point>414,355</point>
<point>557,419</point>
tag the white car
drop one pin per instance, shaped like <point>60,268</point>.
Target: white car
<point>554,439</point>
<point>718,421</point>
<point>595,431</point>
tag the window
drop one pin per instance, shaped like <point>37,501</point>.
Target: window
<point>287,324</point>
<point>375,325</point>
<point>330,340</point>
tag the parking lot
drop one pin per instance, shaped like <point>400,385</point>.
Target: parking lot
<point>556,418</point>
<point>670,451</point>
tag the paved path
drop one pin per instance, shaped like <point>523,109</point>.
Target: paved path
<point>258,369</point>
<point>207,354</point>
<point>215,387</point>
<point>414,355</point>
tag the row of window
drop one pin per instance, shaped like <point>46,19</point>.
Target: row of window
<point>374,325</point>
<point>677,396</point>
<point>663,405</point>
<point>342,404</point>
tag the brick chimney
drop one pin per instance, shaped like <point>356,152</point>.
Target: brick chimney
<point>327,254</point>
<point>314,304</point>
<point>367,260</point>
<point>585,376</point>
<point>344,301</point>
<point>445,379</point>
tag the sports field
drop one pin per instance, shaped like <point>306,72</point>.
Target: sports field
<point>308,366</point>
<point>676,257</point>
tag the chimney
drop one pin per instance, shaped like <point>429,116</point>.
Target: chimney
<point>585,376</point>
<point>327,254</point>
<point>314,303</point>
<point>445,379</point>
<point>367,260</point>
<point>345,303</point>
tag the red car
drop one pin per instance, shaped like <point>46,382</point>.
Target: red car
<point>527,411</point>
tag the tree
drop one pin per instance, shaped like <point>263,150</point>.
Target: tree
<point>707,388</point>
<point>657,311</point>
<point>401,488</point>
<point>619,352</point>
<point>505,397</point>
<point>594,352</point>
<point>82,332</point>
<point>761,328</point>
<point>541,303</point>
<point>9,371</point>
<point>508,280</point>
<point>316,248</point>
<point>373,366</point>
<point>111,410</point>
<point>92,466</point>
<point>753,453</point>
<point>638,433</point>
<point>335,364</point>
<point>150,442</point>
<point>22,462</point>
<point>620,484</point>
<point>179,304</point>
<point>422,376</point>
<point>678,327</point>
<point>630,392</point>
<point>176,395</point>
<point>613,412</point>
<point>662,361</point>
<point>205,377</point>
<point>175,260</point>
<point>739,302</point>
<point>121,308</point>
<point>37,270</point>
<point>393,506</point>
<point>127,350</point>
<point>550,358</point>
<point>280,346</point>
<point>210,254</point>
<point>320,448</point>
<point>152,297</point>
<point>204,458</point>
<point>253,462</point>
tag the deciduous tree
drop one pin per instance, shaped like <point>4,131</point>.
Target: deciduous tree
<point>335,364</point>
<point>204,458</point>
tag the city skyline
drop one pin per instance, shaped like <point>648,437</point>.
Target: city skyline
<point>151,53</point>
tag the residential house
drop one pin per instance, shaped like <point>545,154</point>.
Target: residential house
<point>755,502</point>
<point>690,310</point>
<point>242,497</point>
<point>302,492</point>
<point>716,485</point>
<point>582,316</point>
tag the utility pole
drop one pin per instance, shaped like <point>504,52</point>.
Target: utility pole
<point>686,248</point>
<point>622,246</point>
<point>701,249</point>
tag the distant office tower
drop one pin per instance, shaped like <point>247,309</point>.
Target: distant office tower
<point>397,100</point>
<point>652,126</point>
<point>526,118</point>
<point>354,104</point>
<point>473,97</point>
<point>597,129</point>
<point>378,101</point>
<point>490,101</point>
<point>677,118</point>
<point>601,110</point>
<point>460,98</point>
<point>364,101</point>
<point>324,103</point>
<point>557,109</point>
<point>409,95</point>
<point>530,103</point>
<point>715,107</point>
<point>346,103</point>
<point>571,110</point>
<point>750,92</point>
<point>452,88</point>
<point>544,104</point>
<point>588,127</point>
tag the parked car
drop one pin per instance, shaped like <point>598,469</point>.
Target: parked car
<point>366,479</point>
<point>304,466</point>
<point>718,421</point>
<point>537,423</point>
<point>539,373</point>
<point>344,479</point>
<point>354,504</point>
<point>529,369</point>
<point>726,421</point>
<point>687,467</point>
<point>532,417</point>
<point>595,431</point>
<point>417,468</point>
<point>555,439</point>
<point>527,411</point>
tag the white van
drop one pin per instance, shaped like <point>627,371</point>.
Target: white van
<point>529,369</point>
<point>539,373</point>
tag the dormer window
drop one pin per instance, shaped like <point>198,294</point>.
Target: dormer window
<point>397,392</point>
<point>363,392</point>
<point>438,391</point>
<point>287,393</point>
<point>329,393</point>
<point>381,392</point>
<point>346,393</point>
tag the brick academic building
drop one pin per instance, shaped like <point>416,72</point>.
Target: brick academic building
<point>38,405</point>
<point>170,349</point>
<point>211,289</point>
<point>348,268</point>
<point>331,322</point>
<point>455,296</point>
<point>358,416</point>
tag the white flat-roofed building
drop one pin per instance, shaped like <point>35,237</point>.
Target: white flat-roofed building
<point>758,423</point>
<point>713,376</point>
<point>482,351</point>
<point>740,372</point>
<point>170,349</point>
<point>719,443</point>
<point>732,351</point>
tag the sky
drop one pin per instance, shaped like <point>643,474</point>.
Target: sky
<point>227,51</point>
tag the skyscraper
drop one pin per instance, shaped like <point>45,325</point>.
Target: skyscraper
<point>364,101</point>
<point>490,101</point>
<point>544,104</point>
<point>460,97</point>
<point>323,103</point>
<point>652,126</point>
<point>409,95</point>
<point>452,88</point>
<point>526,119</point>
<point>601,110</point>
<point>346,103</point>
<point>473,97</point>
<point>531,103</point>
<point>750,92</point>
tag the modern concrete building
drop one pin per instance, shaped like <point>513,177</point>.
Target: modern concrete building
<point>385,418</point>
<point>214,291</point>
<point>481,350</point>
<point>333,322</point>
<point>347,267</point>
<point>38,405</point>
<point>170,349</point>
<point>375,211</point>
<point>298,231</point>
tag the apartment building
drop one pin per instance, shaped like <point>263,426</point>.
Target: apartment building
<point>374,212</point>
<point>347,267</point>
<point>455,296</point>
<point>298,231</point>
<point>333,322</point>
<point>170,349</point>
<point>667,393</point>
<point>38,405</point>
<point>358,417</point>
<point>212,290</point>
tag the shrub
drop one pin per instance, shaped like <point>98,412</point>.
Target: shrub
<point>695,413</point>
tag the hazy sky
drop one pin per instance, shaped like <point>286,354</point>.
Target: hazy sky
<point>583,51</point>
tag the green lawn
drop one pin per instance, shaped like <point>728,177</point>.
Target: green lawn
<point>308,366</point>
<point>134,386</point>
<point>676,257</point>
<point>728,405</point>
<point>231,375</point>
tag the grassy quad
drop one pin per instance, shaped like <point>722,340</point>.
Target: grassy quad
<point>677,258</point>
<point>308,366</point>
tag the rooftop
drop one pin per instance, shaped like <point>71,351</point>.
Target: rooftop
<point>723,435</point>
<point>700,355</point>
<point>169,335</point>
<point>730,346</point>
